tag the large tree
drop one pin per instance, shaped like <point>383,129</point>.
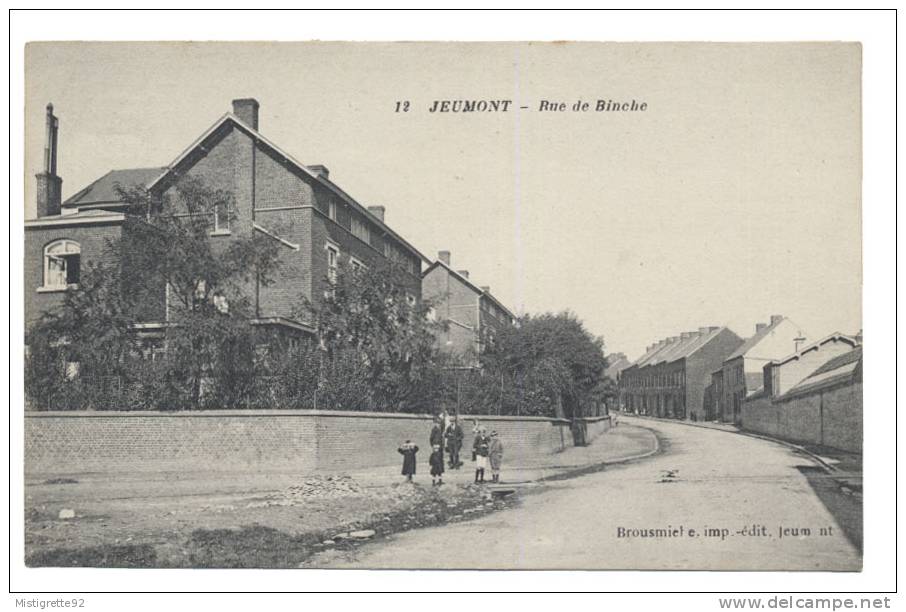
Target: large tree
<point>547,364</point>
<point>376,335</point>
<point>167,266</point>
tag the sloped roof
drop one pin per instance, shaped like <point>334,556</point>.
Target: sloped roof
<point>103,190</point>
<point>481,293</point>
<point>816,345</point>
<point>753,341</point>
<point>679,348</point>
<point>839,369</point>
<point>839,361</point>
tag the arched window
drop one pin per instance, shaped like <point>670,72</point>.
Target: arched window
<point>61,264</point>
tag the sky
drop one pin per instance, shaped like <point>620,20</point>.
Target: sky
<point>735,195</point>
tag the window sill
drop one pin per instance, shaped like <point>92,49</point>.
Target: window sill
<point>59,289</point>
<point>221,233</point>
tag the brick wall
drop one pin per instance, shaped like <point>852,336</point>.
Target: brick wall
<point>843,417</point>
<point>830,417</point>
<point>293,441</point>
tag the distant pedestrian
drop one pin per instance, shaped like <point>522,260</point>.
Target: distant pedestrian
<point>437,466</point>
<point>453,437</point>
<point>408,450</point>
<point>480,454</point>
<point>495,456</point>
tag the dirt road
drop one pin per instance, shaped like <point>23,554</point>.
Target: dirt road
<point>711,500</point>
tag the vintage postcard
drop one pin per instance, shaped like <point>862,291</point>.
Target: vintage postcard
<point>577,305</point>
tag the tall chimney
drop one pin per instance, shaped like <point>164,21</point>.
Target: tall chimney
<point>247,111</point>
<point>463,273</point>
<point>50,186</point>
<point>760,326</point>
<point>377,211</point>
<point>444,256</point>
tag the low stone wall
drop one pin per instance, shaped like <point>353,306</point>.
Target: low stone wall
<point>830,417</point>
<point>306,441</point>
<point>595,426</point>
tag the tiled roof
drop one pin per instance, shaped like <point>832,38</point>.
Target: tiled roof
<point>677,349</point>
<point>103,190</point>
<point>755,339</point>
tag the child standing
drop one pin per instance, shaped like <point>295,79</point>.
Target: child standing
<point>495,456</point>
<point>408,450</point>
<point>437,466</point>
<point>480,454</point>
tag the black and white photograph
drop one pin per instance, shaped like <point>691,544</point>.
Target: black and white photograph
<point>431,305</point>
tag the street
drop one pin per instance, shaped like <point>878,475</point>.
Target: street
<point>710,500</point>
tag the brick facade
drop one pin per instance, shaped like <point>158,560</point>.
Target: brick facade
<point>669,380</point>
<point>274,196</point>
<point>472,314</point>
<point>93,240</point>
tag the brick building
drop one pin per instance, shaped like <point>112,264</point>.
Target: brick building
<point>742,371</point>
<point>473,315</point>
<point>317,224</point>
<point>669,380</point>
<point>813,395</point>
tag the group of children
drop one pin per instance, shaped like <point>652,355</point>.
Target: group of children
<point>487,451</point>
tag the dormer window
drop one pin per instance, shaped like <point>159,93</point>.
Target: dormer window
<point>360,230</point>
<point>62,264</point>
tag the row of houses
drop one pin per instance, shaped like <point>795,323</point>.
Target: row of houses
<point>318,226</point>
<point>775,382</point>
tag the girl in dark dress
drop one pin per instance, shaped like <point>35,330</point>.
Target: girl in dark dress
<point>437,466</point>
<point>408,450</point>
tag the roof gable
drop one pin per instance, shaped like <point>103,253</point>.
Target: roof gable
<point>758,337</point>
<point>315,177</point>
